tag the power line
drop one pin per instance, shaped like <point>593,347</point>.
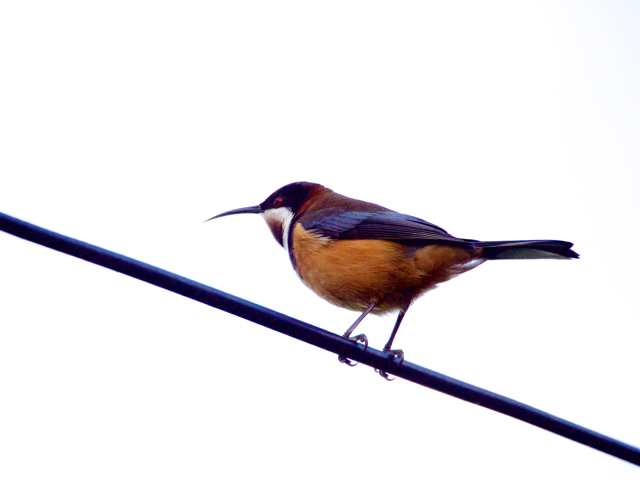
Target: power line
<point>318,337</point>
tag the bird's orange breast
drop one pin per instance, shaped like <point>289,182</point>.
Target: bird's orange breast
<point>355,273</point>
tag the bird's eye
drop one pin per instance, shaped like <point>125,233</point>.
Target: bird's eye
<point>277,202</point>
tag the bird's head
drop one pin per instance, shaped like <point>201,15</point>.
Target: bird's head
<point>280,207</point>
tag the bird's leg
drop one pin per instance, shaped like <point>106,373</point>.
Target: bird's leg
<point>387,348</point>
<point>358,338</point>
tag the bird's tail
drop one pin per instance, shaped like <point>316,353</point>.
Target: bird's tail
<point>521,249</point>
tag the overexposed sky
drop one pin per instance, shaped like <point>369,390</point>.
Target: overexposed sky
<point>126,124</point>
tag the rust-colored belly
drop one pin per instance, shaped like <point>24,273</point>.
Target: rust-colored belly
<point>355,273</point>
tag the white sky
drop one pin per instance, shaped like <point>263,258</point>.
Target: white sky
<point>127,123</point>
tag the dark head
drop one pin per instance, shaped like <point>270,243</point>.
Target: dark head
<point>280,207</point>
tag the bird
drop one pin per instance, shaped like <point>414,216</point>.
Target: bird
<point>367,258</point>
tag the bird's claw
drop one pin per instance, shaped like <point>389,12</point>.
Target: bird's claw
<point>361,338</point>
<point>346,361</point>
<point>396,353</point>
<point>384,375</point>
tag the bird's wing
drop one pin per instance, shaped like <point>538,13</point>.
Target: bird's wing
<point>381,225</point>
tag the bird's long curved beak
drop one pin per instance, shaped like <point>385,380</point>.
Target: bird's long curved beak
<point>254,209</point>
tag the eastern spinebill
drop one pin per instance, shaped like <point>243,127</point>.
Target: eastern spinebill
<point>365,257</point>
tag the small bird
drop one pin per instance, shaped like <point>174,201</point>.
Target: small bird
<point>364,257</point>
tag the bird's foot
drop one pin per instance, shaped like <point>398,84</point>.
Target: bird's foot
<point>396,353</point>
<point>357,338</point>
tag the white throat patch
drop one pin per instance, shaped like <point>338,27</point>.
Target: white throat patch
<point>279,221</point>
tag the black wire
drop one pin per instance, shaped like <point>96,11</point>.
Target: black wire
<point>318,337</point>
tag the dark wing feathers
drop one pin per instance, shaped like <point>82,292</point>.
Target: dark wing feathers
<point>381,225</point>
<point>397,227</point>
<point>331,224</point>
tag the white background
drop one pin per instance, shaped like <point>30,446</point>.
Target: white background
<point>127,123</point>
